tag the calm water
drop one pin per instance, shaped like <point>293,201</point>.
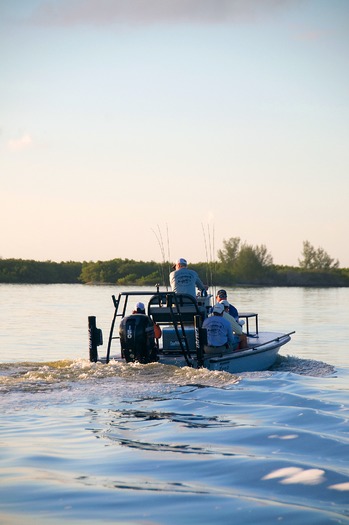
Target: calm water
<point>130,444</point>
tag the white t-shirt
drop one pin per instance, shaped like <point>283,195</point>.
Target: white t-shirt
<point>184,280</point>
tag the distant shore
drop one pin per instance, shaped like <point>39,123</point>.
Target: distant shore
<point>126,272</point>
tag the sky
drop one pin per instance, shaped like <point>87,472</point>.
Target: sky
<point>157,129</point>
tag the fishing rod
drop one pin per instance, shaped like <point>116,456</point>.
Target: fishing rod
<point>209,255</point>
<point>162,249</point>
<point>161,246</point>
<point>206,252</point>
<point>168,252</point>
<point>212,252</point>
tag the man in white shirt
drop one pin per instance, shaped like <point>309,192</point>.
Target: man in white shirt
<point>236,327</point>
<point>183,280</point>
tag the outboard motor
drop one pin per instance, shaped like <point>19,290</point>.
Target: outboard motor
<point>137,339</point>
<point>95,338</point>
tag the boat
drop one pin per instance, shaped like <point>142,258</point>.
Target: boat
<point>183,340</point>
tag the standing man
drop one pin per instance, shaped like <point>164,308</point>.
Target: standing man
<point>183,280</point>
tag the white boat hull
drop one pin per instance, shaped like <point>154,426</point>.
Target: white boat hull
<point>261,355</point>
<point>247,360</point>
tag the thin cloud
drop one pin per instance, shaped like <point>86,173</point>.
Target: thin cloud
<point>19,144</point>
<point>106,12</point>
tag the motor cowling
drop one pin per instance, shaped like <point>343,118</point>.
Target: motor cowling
<point>137,339</point>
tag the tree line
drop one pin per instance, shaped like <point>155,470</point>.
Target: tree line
<point>23,271</point>
<point>237,263</point>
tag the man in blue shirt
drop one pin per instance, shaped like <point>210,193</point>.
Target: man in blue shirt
<point>220,335</point>
<point>222,296</point>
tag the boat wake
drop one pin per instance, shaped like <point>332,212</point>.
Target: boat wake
<point>304,367</point>
<point>41,377</point>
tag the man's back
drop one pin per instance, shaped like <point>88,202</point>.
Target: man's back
<point>219,331</point>
<point>234,324</point>
<point>184,280</point>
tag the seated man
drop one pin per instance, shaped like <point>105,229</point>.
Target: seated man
<point>220,337</point>
<point>236,327</point>
<point>183,280</point>
<point>137,337</point>
<point>139,309</point>
<point>222,296</point>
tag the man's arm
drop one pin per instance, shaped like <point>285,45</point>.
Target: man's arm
<point>199,284</point>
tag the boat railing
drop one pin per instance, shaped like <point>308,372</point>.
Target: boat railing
<point>177,310</point>
<point>248,316</point>
<point>178,307</point>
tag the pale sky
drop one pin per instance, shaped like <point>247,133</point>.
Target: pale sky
<point>195,120</point>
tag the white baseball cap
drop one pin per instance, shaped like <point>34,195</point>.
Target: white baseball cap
<point>218,308</point>
<point>182,262</point>
<point>225,303</point>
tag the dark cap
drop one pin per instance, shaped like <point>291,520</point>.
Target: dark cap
<point>221,293</point>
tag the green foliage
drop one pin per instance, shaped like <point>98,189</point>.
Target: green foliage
<point>230,251</point>
<point>122,272</point>
<point>47,272</point>
<point>316,259</point>
<point>290,276</point>
<point>245,262</point>
<point>238,264</point>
